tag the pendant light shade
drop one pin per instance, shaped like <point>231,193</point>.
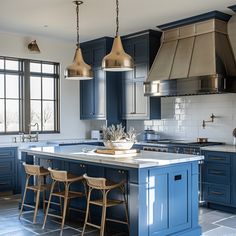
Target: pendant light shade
<point>117,59</point>
<point>78,70</point>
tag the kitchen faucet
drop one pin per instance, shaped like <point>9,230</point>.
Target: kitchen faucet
<point>212,117</point>
<point>30,136</point>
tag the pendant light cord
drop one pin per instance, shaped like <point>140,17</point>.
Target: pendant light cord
<point>77,12</point>
<point>117,18</point>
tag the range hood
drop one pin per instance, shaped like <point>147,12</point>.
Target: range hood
<point>193,59</point>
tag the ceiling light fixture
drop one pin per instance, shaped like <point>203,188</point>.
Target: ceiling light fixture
<point>117,59</point>
<point>33,47</point>
<point>79,70</point>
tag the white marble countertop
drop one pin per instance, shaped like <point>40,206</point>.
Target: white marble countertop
<point>220,148</point>
<point>72,141</point>
<point>46,142</point>
<point>86,153</point>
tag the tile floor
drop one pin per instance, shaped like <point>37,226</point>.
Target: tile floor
<point>214,223</point>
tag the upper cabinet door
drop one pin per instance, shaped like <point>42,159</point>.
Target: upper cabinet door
<point>99,93</point>
<point>86,99</point>
<point>141,102</point>
<point>141,47</point>
<point>128,108</point>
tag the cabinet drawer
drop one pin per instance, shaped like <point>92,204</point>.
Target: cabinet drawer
<point>6,166</point>
<point>217,173</point>
<point>217,157</point>
<point>7,153</point>
<point>217,193</point>
<point>6,184</point>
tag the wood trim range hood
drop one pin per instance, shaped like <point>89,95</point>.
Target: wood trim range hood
<point>195,57</point>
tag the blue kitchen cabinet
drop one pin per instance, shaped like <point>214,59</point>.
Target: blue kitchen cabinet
<point>99,97</point>
<point>8,170</point>
<point>162,200</point>
<point>170,211</point>
<point>142,46</point>
<point>219,175</point>
<point>233,177</point>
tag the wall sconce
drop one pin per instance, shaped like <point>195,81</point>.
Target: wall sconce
<point>212,117</point>
<point>33,47</point>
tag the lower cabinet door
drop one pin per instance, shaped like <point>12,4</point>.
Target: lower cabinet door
<point>179,202</point>
<point>169,208</point>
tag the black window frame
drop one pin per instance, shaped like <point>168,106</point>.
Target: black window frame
<point>24,93</point>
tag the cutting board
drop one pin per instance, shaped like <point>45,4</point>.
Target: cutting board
<point>117,152</point>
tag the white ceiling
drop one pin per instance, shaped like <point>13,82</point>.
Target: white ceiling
<point>97,17</point>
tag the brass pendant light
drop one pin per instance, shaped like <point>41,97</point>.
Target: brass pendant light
<point>79,70</point>
<point>117,59</point>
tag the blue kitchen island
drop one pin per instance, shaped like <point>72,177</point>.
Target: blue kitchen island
<point>162,188</point>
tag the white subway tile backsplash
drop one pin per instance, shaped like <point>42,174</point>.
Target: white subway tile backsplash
<point>182,117</point>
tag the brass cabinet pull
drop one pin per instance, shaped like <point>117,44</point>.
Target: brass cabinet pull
<point>217,158</point>
<point>82,165</point>
<point>216,193</point>
<point>121,171</point>
<point>217,173</point>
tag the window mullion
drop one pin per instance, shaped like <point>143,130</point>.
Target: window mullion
<point>26,96</point>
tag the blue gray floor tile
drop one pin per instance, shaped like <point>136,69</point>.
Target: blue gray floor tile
<point>213,223</point>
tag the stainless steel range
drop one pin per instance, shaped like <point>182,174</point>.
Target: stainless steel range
<point>178,146</point>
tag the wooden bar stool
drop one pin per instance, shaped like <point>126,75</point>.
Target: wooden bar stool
<point>59,176</point>
<point>39,173</point>
<point>105,186</point>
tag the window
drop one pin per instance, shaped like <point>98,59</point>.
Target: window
<point>29,94</point>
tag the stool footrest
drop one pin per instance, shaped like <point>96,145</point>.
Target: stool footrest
<point>27,205</point>
<point>93,225</point>
<point>54,203</point>
<point>117,221</point>
<point>76,209</point>
<point>57,216</point>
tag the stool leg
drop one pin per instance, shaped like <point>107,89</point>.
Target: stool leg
<point>104,208</point>
<point>49,202</point>
<point>126,208</point>
<point>65,205</point>
<point>87,211</point>
<point>59,190</point>
<point>23,200</point>
<point>36,206</point>
<point>44,194</point>
<point>44,203</point>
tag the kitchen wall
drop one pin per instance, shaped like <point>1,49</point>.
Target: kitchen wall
<point>15,45</point>
<point>182,118</point>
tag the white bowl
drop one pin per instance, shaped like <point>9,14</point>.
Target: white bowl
<point>118,145</point>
